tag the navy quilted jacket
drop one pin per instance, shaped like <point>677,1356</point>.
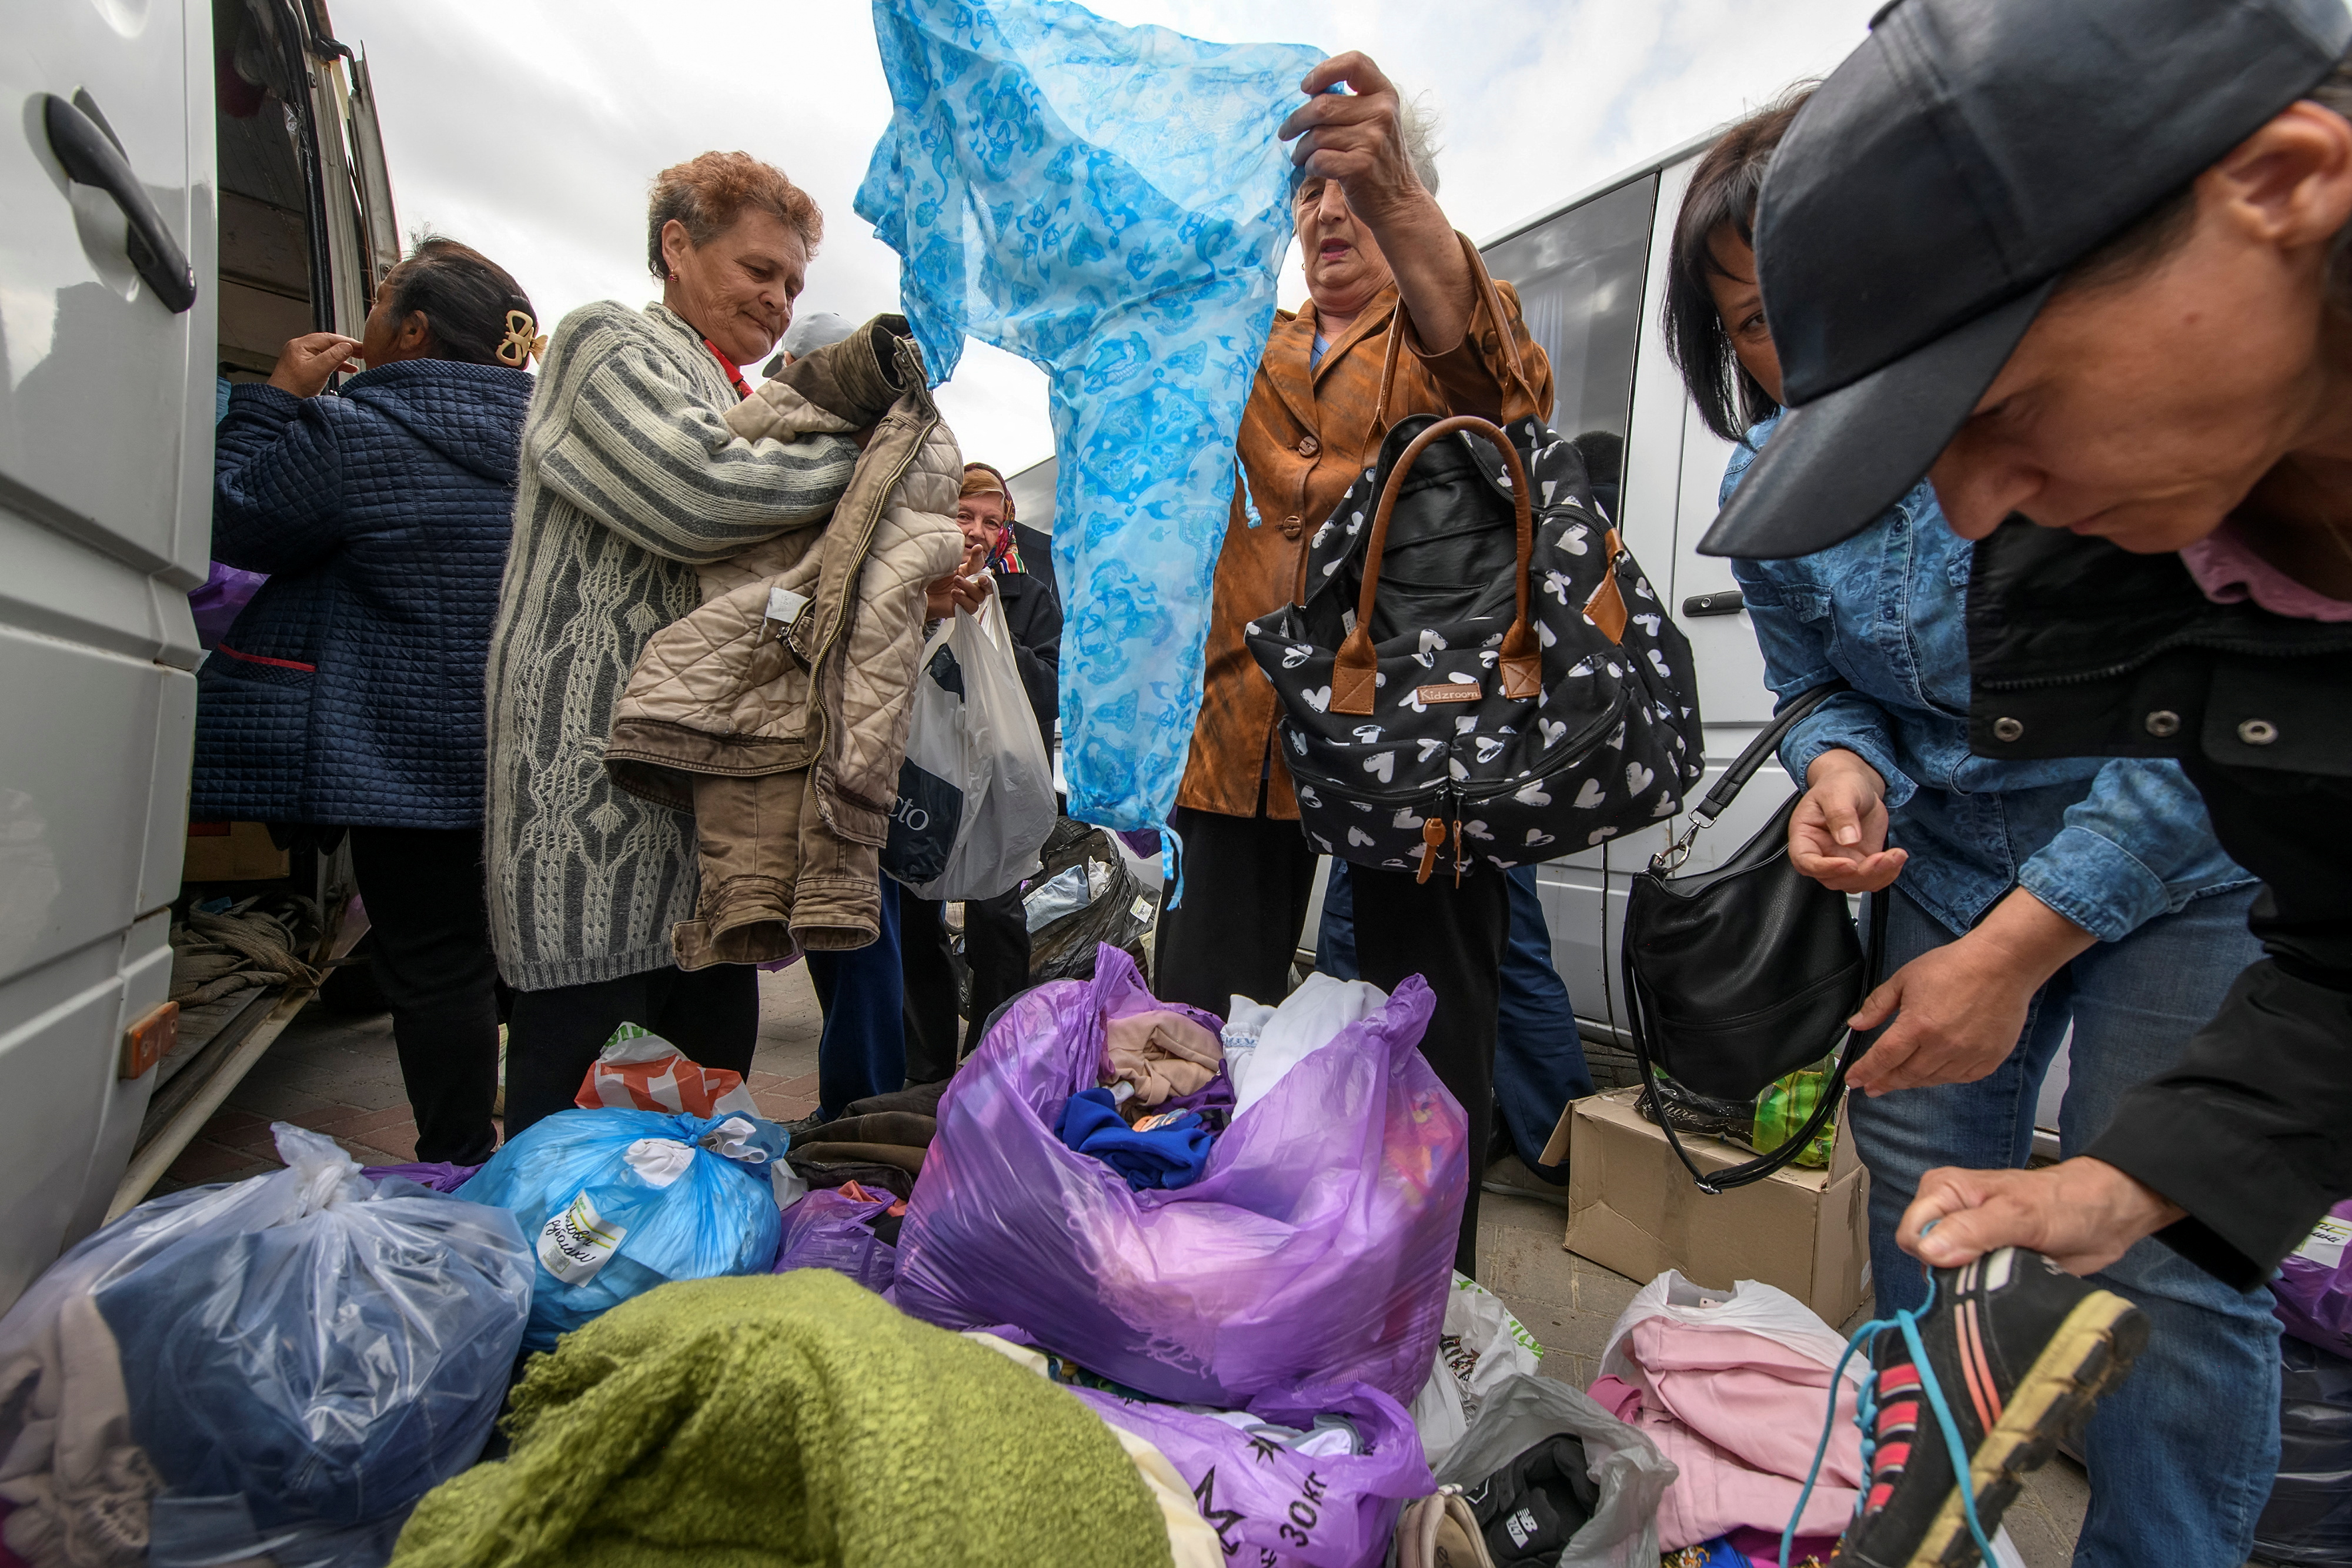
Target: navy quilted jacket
<point>350,691</point>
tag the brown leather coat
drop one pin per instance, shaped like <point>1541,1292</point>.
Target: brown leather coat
<point>1306,437</point>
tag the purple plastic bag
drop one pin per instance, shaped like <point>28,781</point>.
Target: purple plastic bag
<point>440,1174</point>
<point>216,605</point>
<point>2314,1301</point>
<point>1273,1508</point>
<point>826,1230</point>
<point>1316,1248</point>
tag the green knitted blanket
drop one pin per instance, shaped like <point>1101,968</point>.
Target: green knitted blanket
<point>787,1420</point>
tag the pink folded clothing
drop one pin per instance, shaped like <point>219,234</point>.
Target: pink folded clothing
<point>1164,1054</point>
<point>1739,1414</point>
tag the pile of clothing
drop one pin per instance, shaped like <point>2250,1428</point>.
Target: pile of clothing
<point>1161,1101</point>
<point>1732,1386</point>
<point>794,1418</point>
<point>222,947</point>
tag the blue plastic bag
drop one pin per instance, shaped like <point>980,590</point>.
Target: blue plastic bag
<point>1111,203</point>
<point>613,1203</point>
<point>274,1369</point>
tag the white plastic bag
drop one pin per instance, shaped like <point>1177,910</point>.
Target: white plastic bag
<point>276,1368</point>
<point>1483,1347</point>
<point>975,793</point>
<point>1626,1466</point>
<point>1760,1308</point>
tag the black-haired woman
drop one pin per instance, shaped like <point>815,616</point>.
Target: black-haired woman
<point>2028,900</point>
<point>348,695</point>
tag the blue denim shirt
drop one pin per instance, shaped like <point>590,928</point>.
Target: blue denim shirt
<point>2109,844</point>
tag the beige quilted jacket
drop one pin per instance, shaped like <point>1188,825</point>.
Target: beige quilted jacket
<point>778,711</point>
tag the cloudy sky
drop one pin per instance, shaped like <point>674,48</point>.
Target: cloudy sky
<point>530,127</point>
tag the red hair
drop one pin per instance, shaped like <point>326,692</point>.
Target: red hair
<point>710,193</point>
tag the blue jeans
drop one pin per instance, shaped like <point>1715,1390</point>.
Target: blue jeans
<point>863,1050</point>
<point>2182,1455</point>
<point>1539,1056</point>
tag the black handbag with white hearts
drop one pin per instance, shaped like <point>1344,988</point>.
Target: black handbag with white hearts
<point>1474,667</point>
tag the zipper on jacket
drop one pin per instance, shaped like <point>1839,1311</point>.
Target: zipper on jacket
<point>816,654</point>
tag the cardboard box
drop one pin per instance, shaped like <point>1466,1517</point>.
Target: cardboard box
<point>1633,1208</point>
<point>232,852</point>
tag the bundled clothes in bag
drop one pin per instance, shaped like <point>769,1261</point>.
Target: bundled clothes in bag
<point>848,1229</point>
<point>1312,1479</point>
<point>1732,1385</point>
<point>1548,1476</point>
<point>1483,1347</point>
<point>2308,1518</point>
<point>1315,1248</point>
<point>618,1202</point>
<point>278,1368</point>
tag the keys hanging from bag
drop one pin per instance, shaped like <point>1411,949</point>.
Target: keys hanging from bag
<point>1740,975</point>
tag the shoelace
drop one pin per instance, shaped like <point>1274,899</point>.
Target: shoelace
<point>1865,1417</point>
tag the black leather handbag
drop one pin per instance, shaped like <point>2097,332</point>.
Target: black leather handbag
<point>1474,668</point>
<point>1741,975</point>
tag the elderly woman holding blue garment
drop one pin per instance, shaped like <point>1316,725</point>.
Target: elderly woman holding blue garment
<point>1382,263</point>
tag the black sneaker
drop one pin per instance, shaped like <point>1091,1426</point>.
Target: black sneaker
<point>2016,1353</point>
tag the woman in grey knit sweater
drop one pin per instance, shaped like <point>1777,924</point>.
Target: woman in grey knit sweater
<point>629,480</point>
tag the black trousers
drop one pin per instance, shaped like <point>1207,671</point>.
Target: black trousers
<point>553,1037</point>
<point>428,910</point>
<point>1247,880</point>
<point>996,951</point>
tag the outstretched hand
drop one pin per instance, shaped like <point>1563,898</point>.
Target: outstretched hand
<point>1837,834</point>
<point>1356,137</point>
<point>2082,1213</point>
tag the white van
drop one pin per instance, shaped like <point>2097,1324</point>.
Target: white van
<point>189,183</point>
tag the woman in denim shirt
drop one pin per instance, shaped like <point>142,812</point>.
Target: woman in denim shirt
<point>2025,898</point>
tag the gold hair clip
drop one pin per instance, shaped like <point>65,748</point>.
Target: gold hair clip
<point>520,347</point>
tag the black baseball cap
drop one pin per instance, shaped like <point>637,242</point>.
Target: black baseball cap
<point>1927,200</point>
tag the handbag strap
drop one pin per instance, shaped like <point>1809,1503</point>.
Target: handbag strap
<point>1743,767</point>
<point>1482,283</point>
<point>1521,665</point>
<point>1757,1169</point>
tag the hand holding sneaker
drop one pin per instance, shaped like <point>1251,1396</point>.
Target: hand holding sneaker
<point>2084,1213</point>
<point>1968,1395</point>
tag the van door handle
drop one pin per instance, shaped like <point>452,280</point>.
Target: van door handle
<point>1727,602</point>
<point>90,158</point>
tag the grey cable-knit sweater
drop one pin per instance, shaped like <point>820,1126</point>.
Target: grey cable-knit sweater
<point>629,480</point>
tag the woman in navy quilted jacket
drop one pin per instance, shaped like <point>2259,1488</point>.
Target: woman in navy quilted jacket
<point>349,693</point>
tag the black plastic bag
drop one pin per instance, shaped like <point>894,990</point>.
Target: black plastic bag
<point>1119,915</point>
<point>2308,1521</point>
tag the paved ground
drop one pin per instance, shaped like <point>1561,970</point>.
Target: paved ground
<point>338,1075</point>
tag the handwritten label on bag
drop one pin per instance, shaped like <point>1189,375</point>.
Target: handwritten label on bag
<point>576,1242</point>
<point>1451,692</point>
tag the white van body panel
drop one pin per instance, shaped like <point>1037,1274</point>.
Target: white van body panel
<point>105,499</point>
